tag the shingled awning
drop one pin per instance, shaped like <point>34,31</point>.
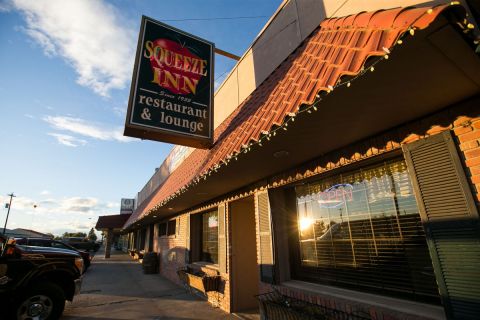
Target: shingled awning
<point>331,58</point>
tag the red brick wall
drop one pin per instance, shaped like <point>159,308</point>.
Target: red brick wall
<point>171,250</point>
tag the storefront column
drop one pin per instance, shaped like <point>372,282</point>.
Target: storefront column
<point>108,245</point>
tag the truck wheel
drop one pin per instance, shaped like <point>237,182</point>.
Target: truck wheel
<point>42,301</point>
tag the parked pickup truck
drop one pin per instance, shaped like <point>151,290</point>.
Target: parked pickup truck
<point>46,242</point>
<point>36,281</point>
<point>82,243</point>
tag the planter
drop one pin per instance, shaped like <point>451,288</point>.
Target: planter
<point>274,305</point>
<point>150,263</point>
<point>198,280</point>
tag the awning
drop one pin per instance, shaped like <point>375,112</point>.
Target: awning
<point>331,59</point>
<point>111,222</point>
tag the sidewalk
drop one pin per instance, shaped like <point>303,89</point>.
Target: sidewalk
<point>116,288</point>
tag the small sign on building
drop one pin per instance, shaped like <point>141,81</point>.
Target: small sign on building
<point>171,97</point>
<point>127,206</point>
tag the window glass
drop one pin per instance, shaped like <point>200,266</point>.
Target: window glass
<point>171,229</point>
<point>210,237</point>
<point>162,229</point>
<point>39,243</point>
<point>60,245</point>
<point>363,229</point>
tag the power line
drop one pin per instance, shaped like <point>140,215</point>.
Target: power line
<point>218,18</point>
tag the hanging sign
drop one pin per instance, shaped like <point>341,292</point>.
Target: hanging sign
<point>171,96</point>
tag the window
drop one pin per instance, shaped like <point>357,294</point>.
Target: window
<point>171,229</point>
<point>363,230</point>
<point>162,229</point>
<point>60,245</point>
<point>209,237</point>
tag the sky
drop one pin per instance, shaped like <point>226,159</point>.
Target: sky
<point>65,74</point>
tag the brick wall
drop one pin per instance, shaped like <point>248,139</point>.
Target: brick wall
<point>172,249</point>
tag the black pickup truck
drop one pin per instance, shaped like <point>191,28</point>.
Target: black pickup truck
<point>81,243</point>
<point>36,281</point>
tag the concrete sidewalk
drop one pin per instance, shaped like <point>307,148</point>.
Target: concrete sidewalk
<point>116,288</point>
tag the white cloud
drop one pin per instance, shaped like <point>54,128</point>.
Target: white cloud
<point>90,35</point>
<point>45,192</point>
<point>87,206</point>
<point>87,129</point>
<point>68,140</point>
<point>29,116</point>
<point>57,215</point>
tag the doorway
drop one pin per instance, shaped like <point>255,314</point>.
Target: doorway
<point>244,271</point>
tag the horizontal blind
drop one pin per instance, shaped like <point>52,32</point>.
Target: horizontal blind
<point>363,230</point>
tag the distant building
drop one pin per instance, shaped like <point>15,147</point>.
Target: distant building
<point>111,226</point>
<point>26,233</point>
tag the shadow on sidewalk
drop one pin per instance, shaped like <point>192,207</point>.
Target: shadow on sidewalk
<point>117,288</point>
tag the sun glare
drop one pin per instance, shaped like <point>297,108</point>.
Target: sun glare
<point>305,223</point>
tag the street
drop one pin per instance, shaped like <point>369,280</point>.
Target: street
<point>116,288</point>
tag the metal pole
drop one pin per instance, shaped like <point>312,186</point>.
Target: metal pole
<point>8,212</point>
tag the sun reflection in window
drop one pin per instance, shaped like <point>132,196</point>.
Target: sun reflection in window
<point>305,223</point>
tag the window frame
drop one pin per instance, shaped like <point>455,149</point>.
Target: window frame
<point>197,236</point>
<point>308,273</point>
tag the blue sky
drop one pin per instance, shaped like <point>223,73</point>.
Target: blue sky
<point>65,72</point>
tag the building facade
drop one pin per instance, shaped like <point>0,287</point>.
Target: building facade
<point>348,176</point>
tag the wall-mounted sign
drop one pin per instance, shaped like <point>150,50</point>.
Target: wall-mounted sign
<point>171,97</point>
<point>127,206</point>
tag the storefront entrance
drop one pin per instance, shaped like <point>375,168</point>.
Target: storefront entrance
<point>244,268</point>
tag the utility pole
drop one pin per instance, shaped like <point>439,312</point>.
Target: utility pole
<point>11,195</point>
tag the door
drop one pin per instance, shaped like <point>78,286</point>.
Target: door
<point>244,271</point>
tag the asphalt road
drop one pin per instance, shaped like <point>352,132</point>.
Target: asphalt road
<point>116,288</point>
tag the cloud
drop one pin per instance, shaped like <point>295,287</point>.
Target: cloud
<point>29,116</point>
<point>86,129</point>
<point>45,192</point>
<point>87,206</point>
<point>91,35</point>
<point>68,140</point>
<point>57,215</point>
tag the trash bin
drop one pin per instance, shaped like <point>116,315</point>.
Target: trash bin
<point>150,263</point>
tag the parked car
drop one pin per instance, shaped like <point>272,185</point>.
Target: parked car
<point>82,243</point>
<point>36,281</point>
<point>44,242</point>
